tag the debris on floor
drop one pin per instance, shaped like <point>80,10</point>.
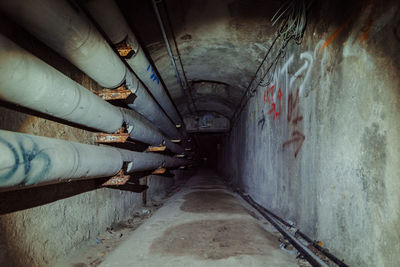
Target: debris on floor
<point>92,254</point>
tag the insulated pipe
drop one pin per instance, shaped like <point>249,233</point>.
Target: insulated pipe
<point>146,106</point>
<point>28,81</point>
<point>28,159</point>
<point>62,26</point>
<point>110,19</point>
<point>141,129</point>
<point>139,161</point>
<point>65,28</point>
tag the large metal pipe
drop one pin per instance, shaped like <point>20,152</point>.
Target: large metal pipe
<point>110,19</point>
<point>139,161</point>
<point>62,26</point>
<point>28,81</point>
<point>142,130</point>
<point>65,28</point>
<point>146,106</point>
<point>28,160</point>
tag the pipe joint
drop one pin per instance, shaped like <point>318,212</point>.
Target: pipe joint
<point>132,82</point>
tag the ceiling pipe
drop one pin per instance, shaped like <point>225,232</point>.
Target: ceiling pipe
<point>30,160</point>
<point>64,27</point>
<point>109,17</point>
<point>28,81</point>
<point>164,35</point>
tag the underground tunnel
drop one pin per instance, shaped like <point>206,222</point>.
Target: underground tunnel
<point>199,133</point>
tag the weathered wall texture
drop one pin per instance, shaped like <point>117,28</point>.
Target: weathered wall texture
<point>39,225</point>
<point>328,159</point>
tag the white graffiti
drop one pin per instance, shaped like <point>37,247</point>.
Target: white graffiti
<point>281,77</point>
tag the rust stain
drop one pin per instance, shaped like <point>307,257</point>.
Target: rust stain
<point>159,171</point>
<point>343,26</point>
<point>156,148</point>
<point>124,50</point>
<point>119,179</point>
<point>368,26</point>
<point>335,34</point>
<point>114,94</point>
<point>112,138</point>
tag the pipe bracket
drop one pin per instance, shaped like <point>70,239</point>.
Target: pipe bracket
<point>119,179</point>
<point>115,94</point>
<point>124,49</point>
<point>159,171</point>
<point>156,148</point>
<point>119,137</point>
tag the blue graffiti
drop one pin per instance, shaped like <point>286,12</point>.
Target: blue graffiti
<point>153,76</point>
<point>207,120</point>
<point>36,163</point>
<point>13,169</point>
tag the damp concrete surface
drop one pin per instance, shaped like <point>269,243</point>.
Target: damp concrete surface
<point>203,224</point>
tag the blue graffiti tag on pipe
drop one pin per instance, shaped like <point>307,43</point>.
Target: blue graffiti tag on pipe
<point>153,76</point>
<point>36,163</point>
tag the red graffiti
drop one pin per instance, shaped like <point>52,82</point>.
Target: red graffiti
<point>273,109</point>
<point>293,117</point>
<point>297,137</point>
<point>267,93</point>
<point>293,109</point>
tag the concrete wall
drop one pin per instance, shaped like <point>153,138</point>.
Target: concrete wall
<point>40,225</point>
<point>329,159</point>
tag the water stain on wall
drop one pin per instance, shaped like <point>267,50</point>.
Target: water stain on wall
<point>373,163</point>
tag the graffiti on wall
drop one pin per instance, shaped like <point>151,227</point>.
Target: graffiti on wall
<point>283,81</point>
<point>293,118</point>
<point>287,86</point>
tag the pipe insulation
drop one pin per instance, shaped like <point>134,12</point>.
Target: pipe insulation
<point>63,26</point>
<point>141,161</point>
<point>141,129</point>
<point>28,81</point>
<point>28,160</point>
<point>146,106</point>
<point>109,17</point>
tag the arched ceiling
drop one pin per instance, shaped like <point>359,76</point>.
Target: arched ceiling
<point>221,44</point>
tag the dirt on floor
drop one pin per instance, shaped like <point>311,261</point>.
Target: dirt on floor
<point>215,239</point>
<point>211,201</point>
<point>90,255</point>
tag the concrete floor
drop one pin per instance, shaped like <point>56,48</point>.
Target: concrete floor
<point>203,224</point>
